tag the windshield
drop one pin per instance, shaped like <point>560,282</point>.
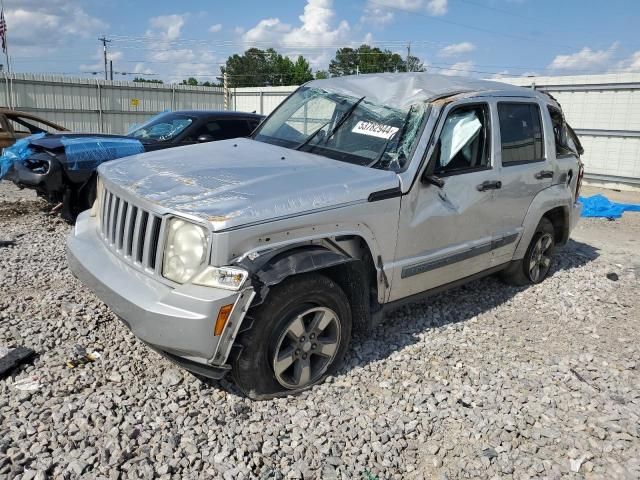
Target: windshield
<point>345,128</point>
<point>162,128</point>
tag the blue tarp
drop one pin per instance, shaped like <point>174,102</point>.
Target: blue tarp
<point>601,206</point>
<point>19,151</point>
<point>85,153</point>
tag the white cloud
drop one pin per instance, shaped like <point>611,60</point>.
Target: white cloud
<point>141,68</point>
<point>457,49</point>
<point>167,27</point>
<point>269,30</point>
<point>381,12</point>
<point>460,69</point>
<point>60,22</point>
<point>98,56</point>
<point>376,15</point>
<point>437,7</point>
<point>215,28</point>
<point>584,59</point>
<point>318,29</point>
<point>499,75</point>
<point>631,64</point>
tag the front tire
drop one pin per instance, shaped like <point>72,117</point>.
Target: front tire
<point>536,264</point>
<point>299,336</point>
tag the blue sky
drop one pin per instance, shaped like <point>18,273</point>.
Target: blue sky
<point>173,40</point>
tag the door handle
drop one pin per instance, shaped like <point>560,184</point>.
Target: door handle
<point>489,185</point>
<point>544,174</point>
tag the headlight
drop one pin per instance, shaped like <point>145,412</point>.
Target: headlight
<point>221,277</point>
<point>184,251</point>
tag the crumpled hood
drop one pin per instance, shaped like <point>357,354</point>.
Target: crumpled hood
<point>241,181</point>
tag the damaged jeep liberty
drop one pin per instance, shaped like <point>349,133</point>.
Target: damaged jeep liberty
<point>260,256</point>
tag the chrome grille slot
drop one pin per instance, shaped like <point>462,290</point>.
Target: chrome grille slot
<point>130,232</point>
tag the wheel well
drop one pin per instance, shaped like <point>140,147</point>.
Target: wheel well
<point>358,281</point>
<point>560,222</point>
<point>346,261</point>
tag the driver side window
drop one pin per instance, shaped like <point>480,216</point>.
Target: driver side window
<point>464,141</point>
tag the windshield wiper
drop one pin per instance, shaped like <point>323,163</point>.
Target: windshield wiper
<point>344,118</point>
<point>311,137</point>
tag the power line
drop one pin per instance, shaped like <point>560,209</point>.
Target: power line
<point>472,27</point>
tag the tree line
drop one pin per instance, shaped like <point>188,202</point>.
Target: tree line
<point>260,68</point>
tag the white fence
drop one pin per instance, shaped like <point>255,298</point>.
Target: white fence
<point>262,100</point>
<point>603,109</point>
<point>91,105</point>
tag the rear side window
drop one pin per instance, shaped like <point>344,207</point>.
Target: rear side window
<point>520,133</point>
<point>561,134</point>
<point>234,129</point>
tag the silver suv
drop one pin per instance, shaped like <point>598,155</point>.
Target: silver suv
<point>260,256</point>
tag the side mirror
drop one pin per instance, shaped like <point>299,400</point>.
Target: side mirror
<point>428,177</point>
<point>205,138</point>
<point>433,180</point>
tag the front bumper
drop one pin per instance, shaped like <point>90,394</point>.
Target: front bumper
<point>178,322</point>
<point>49,182</point>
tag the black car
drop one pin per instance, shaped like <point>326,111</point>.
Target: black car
<point>61,167</point>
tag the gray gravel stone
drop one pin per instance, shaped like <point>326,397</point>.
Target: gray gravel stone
<point>537,377</point>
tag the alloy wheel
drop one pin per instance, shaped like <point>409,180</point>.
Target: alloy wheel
<point>307,346</point>
<point>540,259</point>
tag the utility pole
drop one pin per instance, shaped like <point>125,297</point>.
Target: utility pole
<point>408,56</point>
<point>104,41</point>
<point>225,87</point>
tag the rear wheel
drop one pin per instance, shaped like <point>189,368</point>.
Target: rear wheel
<point>299,336</point>
<point>536,264</point>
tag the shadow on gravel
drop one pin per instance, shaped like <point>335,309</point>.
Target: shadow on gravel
<point>457,305</point>
<point>10,210</point>
<point>401,327</point>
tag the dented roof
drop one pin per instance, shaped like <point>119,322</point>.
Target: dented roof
<point>401,90</point>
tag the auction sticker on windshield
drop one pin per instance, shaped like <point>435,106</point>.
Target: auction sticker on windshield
<point>375,129</point>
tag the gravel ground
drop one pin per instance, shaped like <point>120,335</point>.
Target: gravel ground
<point>484,381</point>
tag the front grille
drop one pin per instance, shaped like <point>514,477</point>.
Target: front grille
<point>130,232</point>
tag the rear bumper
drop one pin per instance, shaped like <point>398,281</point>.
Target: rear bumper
<point>177,322</point>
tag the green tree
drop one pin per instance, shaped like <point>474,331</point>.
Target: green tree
<point>322,75</point>
<point>190,81</point>
<point>146,80</point>
<point>250,69</point>
<point>301,71</point>
<point>415,65</point>
<point>257,68</point>
<point>367,59</point>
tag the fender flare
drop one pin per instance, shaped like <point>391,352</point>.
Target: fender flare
<point>273,267</point>
<point>553,197</point>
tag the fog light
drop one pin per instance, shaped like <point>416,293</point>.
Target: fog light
<point>223,317</point>
<point>229,278</point>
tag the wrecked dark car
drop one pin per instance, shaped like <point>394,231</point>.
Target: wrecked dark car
<point>62,167</point>
<point>15,125</point>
